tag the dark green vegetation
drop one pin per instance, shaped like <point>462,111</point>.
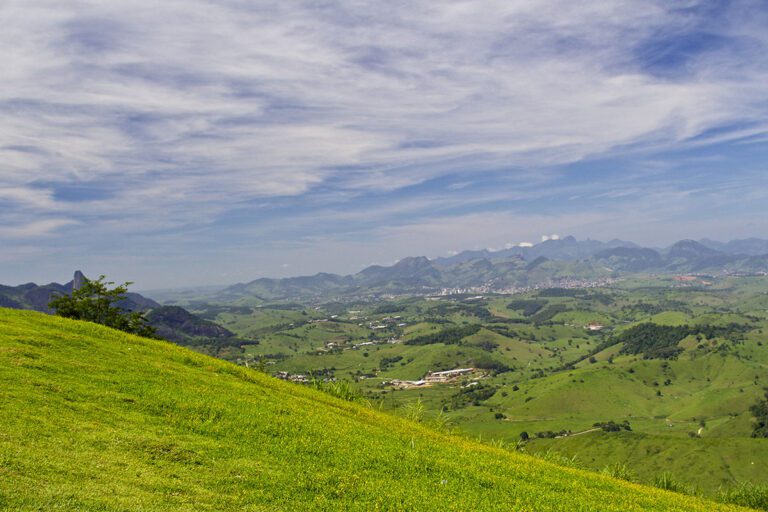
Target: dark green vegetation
<point>94,301</point>
<point>683,361</point>
<point>101,420</point>
<point>527,307</point>
<point>449,336</point>
<point>663,341</point>
<point>760,412</point>
<point>612,426</point>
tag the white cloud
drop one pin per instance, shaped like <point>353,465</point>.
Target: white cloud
<point>185,113</point>
<point>226,102</point>
<point>35,229</point>
<point>24,196</point>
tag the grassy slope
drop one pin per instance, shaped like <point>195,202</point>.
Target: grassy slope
<point>97,420</point>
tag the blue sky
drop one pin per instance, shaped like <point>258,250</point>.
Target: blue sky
<point>195,142</point>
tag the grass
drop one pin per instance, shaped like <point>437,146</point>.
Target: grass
<point>747,495</point>
<point>97,420</point>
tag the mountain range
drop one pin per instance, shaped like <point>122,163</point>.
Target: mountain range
<point>551,262</point>
<point>556,262</point>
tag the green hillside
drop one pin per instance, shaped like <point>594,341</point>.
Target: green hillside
<point>94,419</point>
<point>682,365</point>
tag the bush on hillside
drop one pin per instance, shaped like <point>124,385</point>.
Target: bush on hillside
<point>760,412</point>
<point>612,426</point>
<point>473,395</point>
<point>668,483</point>
<point>620,471</point>
<point>93,301</point>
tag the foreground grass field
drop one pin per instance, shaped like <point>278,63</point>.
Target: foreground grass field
<point>93,419</point>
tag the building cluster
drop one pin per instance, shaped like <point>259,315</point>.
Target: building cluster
<point>448,375</point>
<point>516,290</point>
<point>431,378</point>
<point>292,377</point>
<point>386,323</point>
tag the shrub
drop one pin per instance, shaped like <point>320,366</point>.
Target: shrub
<point>620,471</point>
<point>666,482</point>
<point>612,426</point>
<point>760,412</point>
<point>414,411</point>
<point>339,389</point>
<point>95,302</point>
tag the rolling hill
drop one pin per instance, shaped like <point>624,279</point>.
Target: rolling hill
<point>95,419</point>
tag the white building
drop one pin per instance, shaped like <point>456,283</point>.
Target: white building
<point>448,375</point>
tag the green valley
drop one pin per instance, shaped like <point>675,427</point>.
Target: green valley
<point>682,362</point>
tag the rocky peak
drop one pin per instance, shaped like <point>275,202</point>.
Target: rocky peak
<point>78,280</point>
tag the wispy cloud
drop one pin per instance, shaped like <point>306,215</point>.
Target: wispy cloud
<point>173,118</point>
<point>35,229</point>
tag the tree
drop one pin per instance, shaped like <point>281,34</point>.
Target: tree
<point>760,412</point>
<point>94,301</point>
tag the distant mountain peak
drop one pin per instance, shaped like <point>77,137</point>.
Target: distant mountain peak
<point>690,249</point>
<point>413,262</point>
<point>78,280</point>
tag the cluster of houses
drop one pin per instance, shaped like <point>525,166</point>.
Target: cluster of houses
<point>493,288</point>
<point>448,375</point>
<point>391,341</point>
<point>431,378</point>
<point>386,323</point>
<point>331,345</point>
<point>292,377</point>
<point>443,377</point>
